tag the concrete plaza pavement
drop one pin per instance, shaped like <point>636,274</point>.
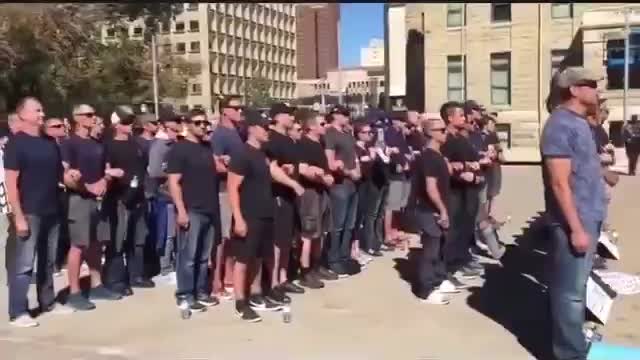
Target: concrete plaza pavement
<point>372,315</point>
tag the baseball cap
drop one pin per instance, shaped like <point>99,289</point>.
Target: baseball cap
<point>470,105</point>
<point>280,108</point>
<point>253,117</point>
<point>576,75</point>
<point>122,112</point>
<point>83,109</point>
<point>143,119</point>
<point>340,109</point>
<point>398,116</point>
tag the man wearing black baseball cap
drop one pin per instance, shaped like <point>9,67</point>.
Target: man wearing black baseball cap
<point>281,151</point>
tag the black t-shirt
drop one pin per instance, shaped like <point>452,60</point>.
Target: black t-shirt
<point>40,170</point>
<point>430,164</point>
<point>144,144</point>
<point>128,156</point>
<point>601,138</point>
<point>199,182</point>
<point>416,140</point>
<point>311,153</point>
<point>86,155</point>
<point>457,148</point>
<point>366,162</point>
<point>282,149</point>
<point>256,195</point>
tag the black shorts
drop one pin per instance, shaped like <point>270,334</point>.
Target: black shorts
<point>315,217</point>
<point>285,218</point>
<point>258,243</point>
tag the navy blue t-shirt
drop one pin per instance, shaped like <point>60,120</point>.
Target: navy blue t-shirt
<point>225,141</point>
<point>86,155</point>
<point>40,170</point>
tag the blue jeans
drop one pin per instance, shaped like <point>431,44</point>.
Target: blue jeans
<point>567,290</point>
<point>42,241</point>
<point>194,246</point>
<point>344,205</point>
<point>163,232</point>
<point>371,215</point>
<point>130,235</point>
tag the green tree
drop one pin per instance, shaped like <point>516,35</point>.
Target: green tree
<point>257,91</point>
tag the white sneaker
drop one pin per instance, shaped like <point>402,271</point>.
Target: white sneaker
<point>59,309</point>
<point>447,287</point>
<point>436,298</point>
<point>24,321</point>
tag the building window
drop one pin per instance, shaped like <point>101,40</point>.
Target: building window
<point>194,26</point>
<point>196,89</point>
<point>615,62</point>
<point>192,6</point>
<point>455,78</point>
<point>501,12</point>
<point>561,10</point>
<point>455,15</point>
<point>180,48</point>
<point>166,48</point>
<point>137,31</point>
<point>165,27</point>
<point>194,47</point>
<point>557,57</point>
<point>184,108</point>
<point>179,27</point>
<point>501,78</point>
<point>111,32</point>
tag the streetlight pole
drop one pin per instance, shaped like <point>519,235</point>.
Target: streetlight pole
<point>155,75</point>
<point>627,40</point>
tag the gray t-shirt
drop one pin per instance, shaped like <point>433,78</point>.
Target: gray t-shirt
<point>344,146</point>
<point>568,135</point>
<point>225,141</point>
<point>157,165</point>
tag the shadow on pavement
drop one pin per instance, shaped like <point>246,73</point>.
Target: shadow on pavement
<point>515,296</point>
<point>407,267</point>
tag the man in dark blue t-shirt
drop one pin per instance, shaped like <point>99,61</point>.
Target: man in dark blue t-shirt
<point>33,171</point>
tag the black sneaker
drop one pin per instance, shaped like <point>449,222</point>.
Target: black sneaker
<point>353,267</point>
<point>277,296</point>
<point>376,253</point>
<point>339,270</point>
<point>207,300</point>
<point>143,283</point>
<point>457,283</point>
<point>325,274</point>
<point>292,288</point>
<point>311,282</point>
<point>196,306</point>
<point>102,293</point>
<point>262,303</point>
<point>79,302</point>
<point>246,313</point>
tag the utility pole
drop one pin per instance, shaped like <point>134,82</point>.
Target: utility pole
<point>627,40</point>
<point>155,75</point>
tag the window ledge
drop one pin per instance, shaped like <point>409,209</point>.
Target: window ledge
<point>501,24</point>
<point>455,28</point>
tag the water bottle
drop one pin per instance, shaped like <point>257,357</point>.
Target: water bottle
<point>134,182</point>
<point>380,138</point>
<point>286,314</point>
<point>99,203</point>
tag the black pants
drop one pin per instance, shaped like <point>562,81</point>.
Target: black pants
<point>463,209</point>
<point>633,150</point>
<point>432,269</point>
<point>370,219</point>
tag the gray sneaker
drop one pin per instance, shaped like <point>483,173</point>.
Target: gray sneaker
<point>23,321</point>
<point>468,273</point>
<point>99,293</point>
<point>79,302</point>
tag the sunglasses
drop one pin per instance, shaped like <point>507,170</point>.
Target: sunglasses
<point>440,130</point>
<point>201,123</point>
<point>322,124</point>
<point>236,108</point>
<point>56,126</point>
<point>90,115</point>
<point>154,123</point>
<point>590,83</point>
<point>368,132</point>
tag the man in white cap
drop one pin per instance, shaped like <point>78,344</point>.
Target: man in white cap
<point>575,206</point>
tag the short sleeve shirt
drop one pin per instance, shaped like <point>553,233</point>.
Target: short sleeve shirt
<point>37,159</point>
<point>568,135</point>
<point>311,153</point>
<point>282,149</point>
<point>225,141</point>
<point>86,155</point>
<point>344,146</point>
<point>430,164</point>
<point>256,198</point>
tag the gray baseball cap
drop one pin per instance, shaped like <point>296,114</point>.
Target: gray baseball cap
<point>573,76</point>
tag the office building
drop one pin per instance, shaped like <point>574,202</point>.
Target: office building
<point>317,39</point>
<point>372,55</point>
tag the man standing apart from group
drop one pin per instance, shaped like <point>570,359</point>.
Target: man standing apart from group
<point>575,205</point>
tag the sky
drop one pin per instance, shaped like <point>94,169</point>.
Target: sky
<point>359,23</point>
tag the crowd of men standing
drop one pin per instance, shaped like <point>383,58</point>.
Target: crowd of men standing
<point>260,206</point>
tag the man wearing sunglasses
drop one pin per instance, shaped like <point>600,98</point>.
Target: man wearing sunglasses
<point>575,206</point>
<point>147,125</point>
<point>83,157</point>
<point>163,210</point>
<point>194,189</point>
<point>225,143</point>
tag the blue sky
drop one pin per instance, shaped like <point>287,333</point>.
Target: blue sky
<point>359,22</point>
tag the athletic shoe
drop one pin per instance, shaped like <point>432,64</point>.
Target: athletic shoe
<point>447,287</point>
<point>23,321</point>
<point>467,273</point>
<point>224,295</point>
<point>207,300</point>
<point>196,306</point>
<point>59,309</point>
<point>311,281</point>
<point>375,253</point>
<point>475,265</point>
<point>262,303</point>
<point>292,288</point>
<point>102,293</point>
<point>435,298</point>
<point>457,283</point>
<point>352,267</point>
<point>143,283</point>
<point>277,296</point>
<point>246,313</point>
<point>325,274</point>
<point>79,302</point>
